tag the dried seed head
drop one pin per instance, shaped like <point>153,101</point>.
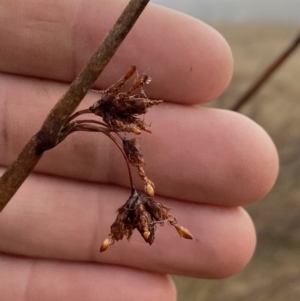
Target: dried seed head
<point>129,72</point>
<point>120,110</point>
<point>133,151</point>
<point>146,235</point>
<point>149,189</point>
<point>183,232</point>
<point>106,243</point>
<point>139,81</point>
<point>136,131</point>
<point>142,213</point>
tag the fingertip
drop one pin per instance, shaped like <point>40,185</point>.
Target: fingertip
<point>198,58</point>
<point>236,256</point>
<point>260,163</point>
<point>171,289</point>
<point>224,242</point>
<point>221,69</point>
<point>191,58</point>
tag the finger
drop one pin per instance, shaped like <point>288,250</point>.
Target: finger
<point>33,279</point>
<point>196,154</point>
<point>54,39</point>
<point>57,218</point>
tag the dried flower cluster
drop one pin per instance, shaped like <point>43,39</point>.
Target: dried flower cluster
<point>120,110</point>
<point>141,212</point>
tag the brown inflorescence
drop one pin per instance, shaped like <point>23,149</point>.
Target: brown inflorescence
<point>142,213</point>
<point>120,109</point>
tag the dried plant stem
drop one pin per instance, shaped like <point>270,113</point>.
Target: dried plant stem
<point>90,125</point>
<point>125,157</point>
<point>81,112</point>
<point>266,74</point>
<point>48,136</point>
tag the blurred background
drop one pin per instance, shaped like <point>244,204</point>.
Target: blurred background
<point>257,32</point>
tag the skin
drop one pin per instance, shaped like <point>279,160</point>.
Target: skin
<point>205,162</point>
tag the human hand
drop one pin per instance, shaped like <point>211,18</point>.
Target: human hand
<point>205,162</point>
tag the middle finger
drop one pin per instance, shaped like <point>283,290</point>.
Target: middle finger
<point>198,154</point>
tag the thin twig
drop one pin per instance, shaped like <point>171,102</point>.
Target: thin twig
<point>84,121</point>
<point>48,136</point>
<point>72,127</point>
<point>125,157</point>
<point>87,127</point>
<point>266,74</point>
<point>81,112</point>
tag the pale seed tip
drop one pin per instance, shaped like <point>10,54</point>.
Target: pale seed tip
<point>146,235</point>
<point>149,190</point>
<point>106,243</point>
<point>183,232</point>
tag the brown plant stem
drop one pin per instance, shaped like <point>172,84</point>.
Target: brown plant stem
<point>48,136</point>
<point>125,157</point>
<point>73,127</point>
<point>242,100</point>
<point>81,112</point>
<point>87,125</point>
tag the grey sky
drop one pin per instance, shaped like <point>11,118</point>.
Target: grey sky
<point>287,11</point>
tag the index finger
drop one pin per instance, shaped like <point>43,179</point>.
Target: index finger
<point>54,39</point>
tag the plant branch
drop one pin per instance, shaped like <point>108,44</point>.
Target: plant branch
<point>48,136</point>
<point>266,74</point>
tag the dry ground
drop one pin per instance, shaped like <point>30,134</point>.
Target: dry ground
<point>274,272</point>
